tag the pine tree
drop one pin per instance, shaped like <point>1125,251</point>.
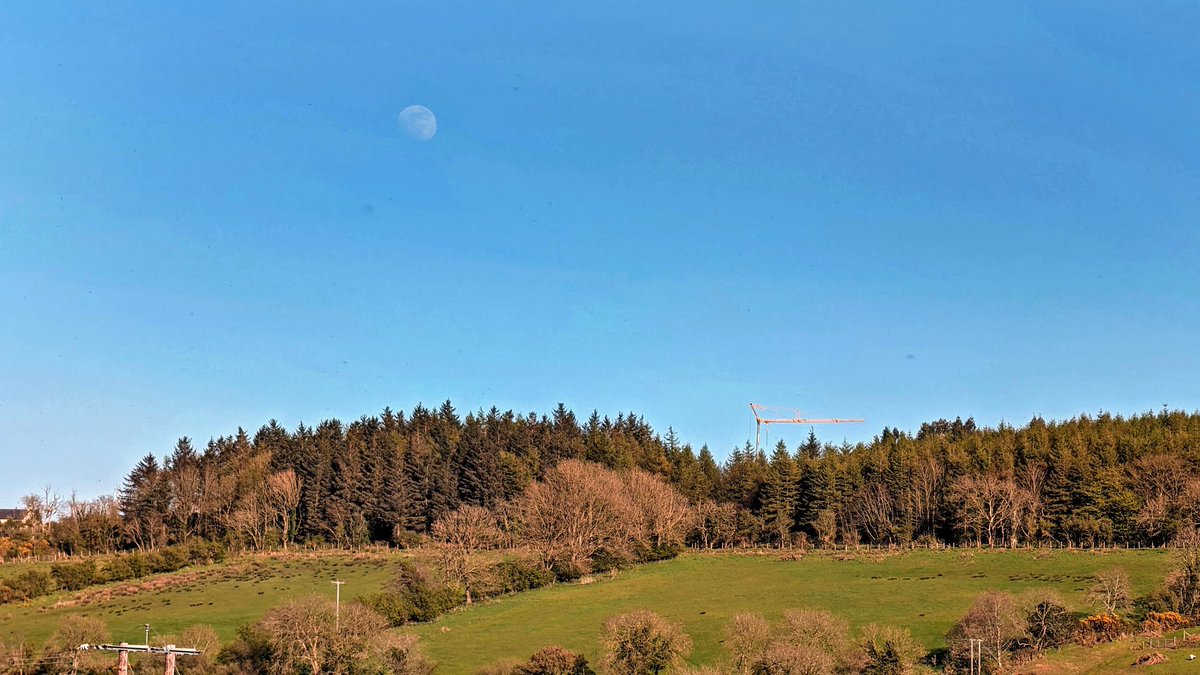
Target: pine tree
<point>780,494</point>
<point>476,466</point>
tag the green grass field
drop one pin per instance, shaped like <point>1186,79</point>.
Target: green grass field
<point>925,591</point>
<point>223,596</point>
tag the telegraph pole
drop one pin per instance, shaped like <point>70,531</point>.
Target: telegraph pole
<point>977,656</point>
<point>123,649</point>
<point>337,607</point>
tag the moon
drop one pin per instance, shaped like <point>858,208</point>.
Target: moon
<point>418,122</point>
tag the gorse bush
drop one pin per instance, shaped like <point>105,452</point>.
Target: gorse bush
<point>1161,622</point>
<point>1102,628</point>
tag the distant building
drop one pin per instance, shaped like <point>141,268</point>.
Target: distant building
<point>14,515</point>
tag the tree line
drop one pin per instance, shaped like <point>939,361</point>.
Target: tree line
<point>1088,481</point>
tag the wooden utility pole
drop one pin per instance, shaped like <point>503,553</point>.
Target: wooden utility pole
<point>337,608</point>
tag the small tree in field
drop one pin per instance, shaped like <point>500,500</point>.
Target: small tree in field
<point>1111,590</point>
<point>302,637</point>
<point>746,639</point>
<point>460,536</point>
<point>641,643</point>
<point>1047,620</point>
<point>996,619</point>
<point>821,630</point>
<point>1183,581</point>
<point>785,658</point>
<point>72,632</point>
<point>889,650</point>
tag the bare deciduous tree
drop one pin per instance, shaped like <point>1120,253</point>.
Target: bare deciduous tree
<point>997,620</point>
<point>73,631</point>
<point>716,523</point>
<point>251,519</point>
<point>1183,581</point>
<point>928,482</point>
<point>662,515</point>
<point>874,510</point>
<point>575,511</point>
<point>283,497</point>
<point>747,637</point>
<point>826,525</point>
<point>820,630</point>
<point>1110,589</point>
<point>460,536</point>
<point>303,638</point>
<point>989,506</point>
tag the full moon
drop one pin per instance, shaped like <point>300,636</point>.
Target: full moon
<point>418,122</point>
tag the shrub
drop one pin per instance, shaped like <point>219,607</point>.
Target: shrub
<point>1101,628</point>
<point>413,597</point>
<point>889,650</point>
<point>1047,621</point>
<point>746,639</point>
<point>1158,600</point>
<point>75,576</point>
<point>785,658</point>
<point>29,585</point>
<point>139,565</point>
<point>392,606</point>
<point>514,576</point>
<point>249,653</point>
<point>655,553</point>
<point>119,569</point>
<point>1161,622</point>
<point>566,570</point>
<point>555,661</point>
<point>170,559</point>
<point>606,560</point>
<point>642,642</point>
<point>202,552</point>
<point>402,655</point>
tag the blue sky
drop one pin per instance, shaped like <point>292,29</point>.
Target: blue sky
<point>209,216</point>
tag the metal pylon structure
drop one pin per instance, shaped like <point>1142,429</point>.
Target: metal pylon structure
<point>759,421</point>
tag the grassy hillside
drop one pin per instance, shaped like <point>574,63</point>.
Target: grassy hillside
<point>223,596</point>
<point>925,591</point>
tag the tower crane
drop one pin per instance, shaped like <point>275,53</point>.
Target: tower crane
<point>760,420</point>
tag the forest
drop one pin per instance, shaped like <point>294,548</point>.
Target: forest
<point>1089,481</point>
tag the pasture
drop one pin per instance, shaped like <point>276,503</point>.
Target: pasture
<point>925,591</point>
<point>223,596</point>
